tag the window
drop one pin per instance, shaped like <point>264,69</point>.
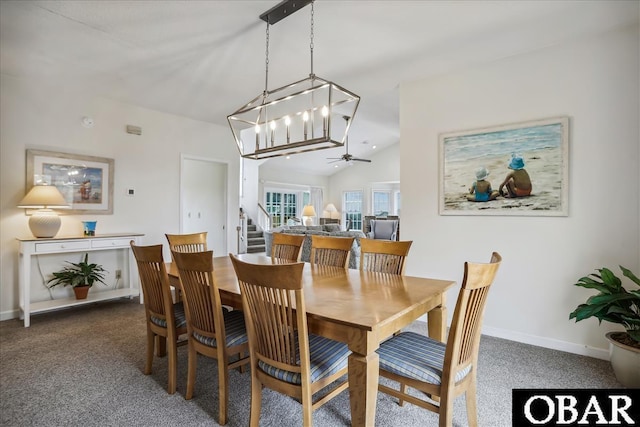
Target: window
<point>352,202</point>
<point>396,211</point>
<point>283,206</point>
<point>381,202</point>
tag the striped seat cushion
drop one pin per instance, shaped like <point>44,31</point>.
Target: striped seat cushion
<point>326,356</point>
<point>234,327</point>
<point>415,356</point>
<point>178,312</point>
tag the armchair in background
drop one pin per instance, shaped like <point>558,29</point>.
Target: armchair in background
<point>383,229</point>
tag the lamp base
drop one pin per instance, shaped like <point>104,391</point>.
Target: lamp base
<point>44,223</point>
<point>308,221</point>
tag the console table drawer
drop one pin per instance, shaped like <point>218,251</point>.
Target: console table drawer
<point>110,243</point>
<point>62,246</point>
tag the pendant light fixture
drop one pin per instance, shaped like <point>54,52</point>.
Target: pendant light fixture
<point>302,116</point>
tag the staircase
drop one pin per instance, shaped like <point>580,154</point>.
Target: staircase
<point>255,238</point>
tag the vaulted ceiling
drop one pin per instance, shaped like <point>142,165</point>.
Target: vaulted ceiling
<point>204,59</point>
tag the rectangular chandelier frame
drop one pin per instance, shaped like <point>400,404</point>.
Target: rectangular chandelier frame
<point>307,115</point>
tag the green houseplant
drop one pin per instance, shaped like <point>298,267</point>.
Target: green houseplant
<point>615,304</point>
<point>80,276</point>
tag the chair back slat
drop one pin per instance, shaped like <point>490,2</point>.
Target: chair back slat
<point>332,251</point>
<point>195,242</point>
<point>154,280</point>
<point>287,246</point>
<point>203,305</point>
<point>464,335</point>
<point>383,256</point>
<point>274,311</point>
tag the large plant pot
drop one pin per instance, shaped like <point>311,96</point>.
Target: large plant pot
<point>625,361</point>
<point>81,291</point>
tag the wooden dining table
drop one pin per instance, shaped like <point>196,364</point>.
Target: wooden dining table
<point>358,308</point>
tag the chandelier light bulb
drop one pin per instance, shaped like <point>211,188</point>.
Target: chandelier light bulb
<point>273,131</point>
<point>305,119</point>
<point>287,122</point>
<point>325,120</point>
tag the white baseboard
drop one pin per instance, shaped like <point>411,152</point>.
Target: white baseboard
<point>8,315</point>
<point>598,353</point>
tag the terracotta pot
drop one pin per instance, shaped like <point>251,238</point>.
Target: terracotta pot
<point>625,361</point>
<point>81,291</point>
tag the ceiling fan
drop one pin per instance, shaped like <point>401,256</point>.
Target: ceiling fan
<point>346,156</point>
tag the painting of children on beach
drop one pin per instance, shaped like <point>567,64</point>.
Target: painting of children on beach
<point>516,169</point>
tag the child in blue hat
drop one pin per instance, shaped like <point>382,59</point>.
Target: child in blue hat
<point>480,190</point>
<point>517,181</point>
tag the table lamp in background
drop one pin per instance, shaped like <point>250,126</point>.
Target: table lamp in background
<point>330,211</point>
<point>308,212</point>
<point>44,222</point>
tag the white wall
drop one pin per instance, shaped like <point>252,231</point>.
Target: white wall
<point>47,116</point>
<point>595,82</point>
<point>384,167</point>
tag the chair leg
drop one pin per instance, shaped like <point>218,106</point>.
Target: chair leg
<point>471,401</point>
<point>446,410</point>
<point>150,348</point>
<point>256,400</point>
<point>162,346</point>
<point>191,370</point>
<point>173,366</point>
<point>403,389</point>
<point>307,407</point>
<point>223,390</point>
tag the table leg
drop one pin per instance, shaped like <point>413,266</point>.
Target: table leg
<point>363,388</point>
<point>437,322</point>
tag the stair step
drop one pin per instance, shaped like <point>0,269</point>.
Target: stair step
<point>255,241</point>
<point>254,234</point>
<point>251,227</point>
<point>255,249</point>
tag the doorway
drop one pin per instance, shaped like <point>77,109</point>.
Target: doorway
<point>203,200</point>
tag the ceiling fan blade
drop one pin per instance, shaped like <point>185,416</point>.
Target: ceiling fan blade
<point>333,161</point>
<point>360,160</point>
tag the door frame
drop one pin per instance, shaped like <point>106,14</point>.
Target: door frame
<point>225,196</point>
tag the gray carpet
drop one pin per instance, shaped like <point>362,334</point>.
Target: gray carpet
<point>83,367</point>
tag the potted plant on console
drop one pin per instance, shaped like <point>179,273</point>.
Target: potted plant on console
<point>80,276</point>
<point>616,304</point>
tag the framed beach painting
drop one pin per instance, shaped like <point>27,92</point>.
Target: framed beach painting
<point>86,182</point>
<point>513,169</point>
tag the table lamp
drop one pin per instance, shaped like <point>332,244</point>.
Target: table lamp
<point>308,212</point>
<point>332,211</point>
<point>44,222</point>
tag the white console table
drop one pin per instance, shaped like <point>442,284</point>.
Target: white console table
<point>31,247</point>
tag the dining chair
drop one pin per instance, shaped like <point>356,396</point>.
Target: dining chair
<point>287,246</point>
<point>211,331</point>
<point>441,370</point>
<point>329,250</point>
<point>166,321</point>
<point>384,256</point>
<point>284,356</point>
<point>195,242</point>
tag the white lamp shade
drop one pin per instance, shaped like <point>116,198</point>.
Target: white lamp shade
<point>43,196</point>
<point>308,210</point>
<point>331,208</point>
<point>44,222</point>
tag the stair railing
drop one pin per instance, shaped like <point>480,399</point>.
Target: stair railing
<point>265,220</point>
<point>241,230</point>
